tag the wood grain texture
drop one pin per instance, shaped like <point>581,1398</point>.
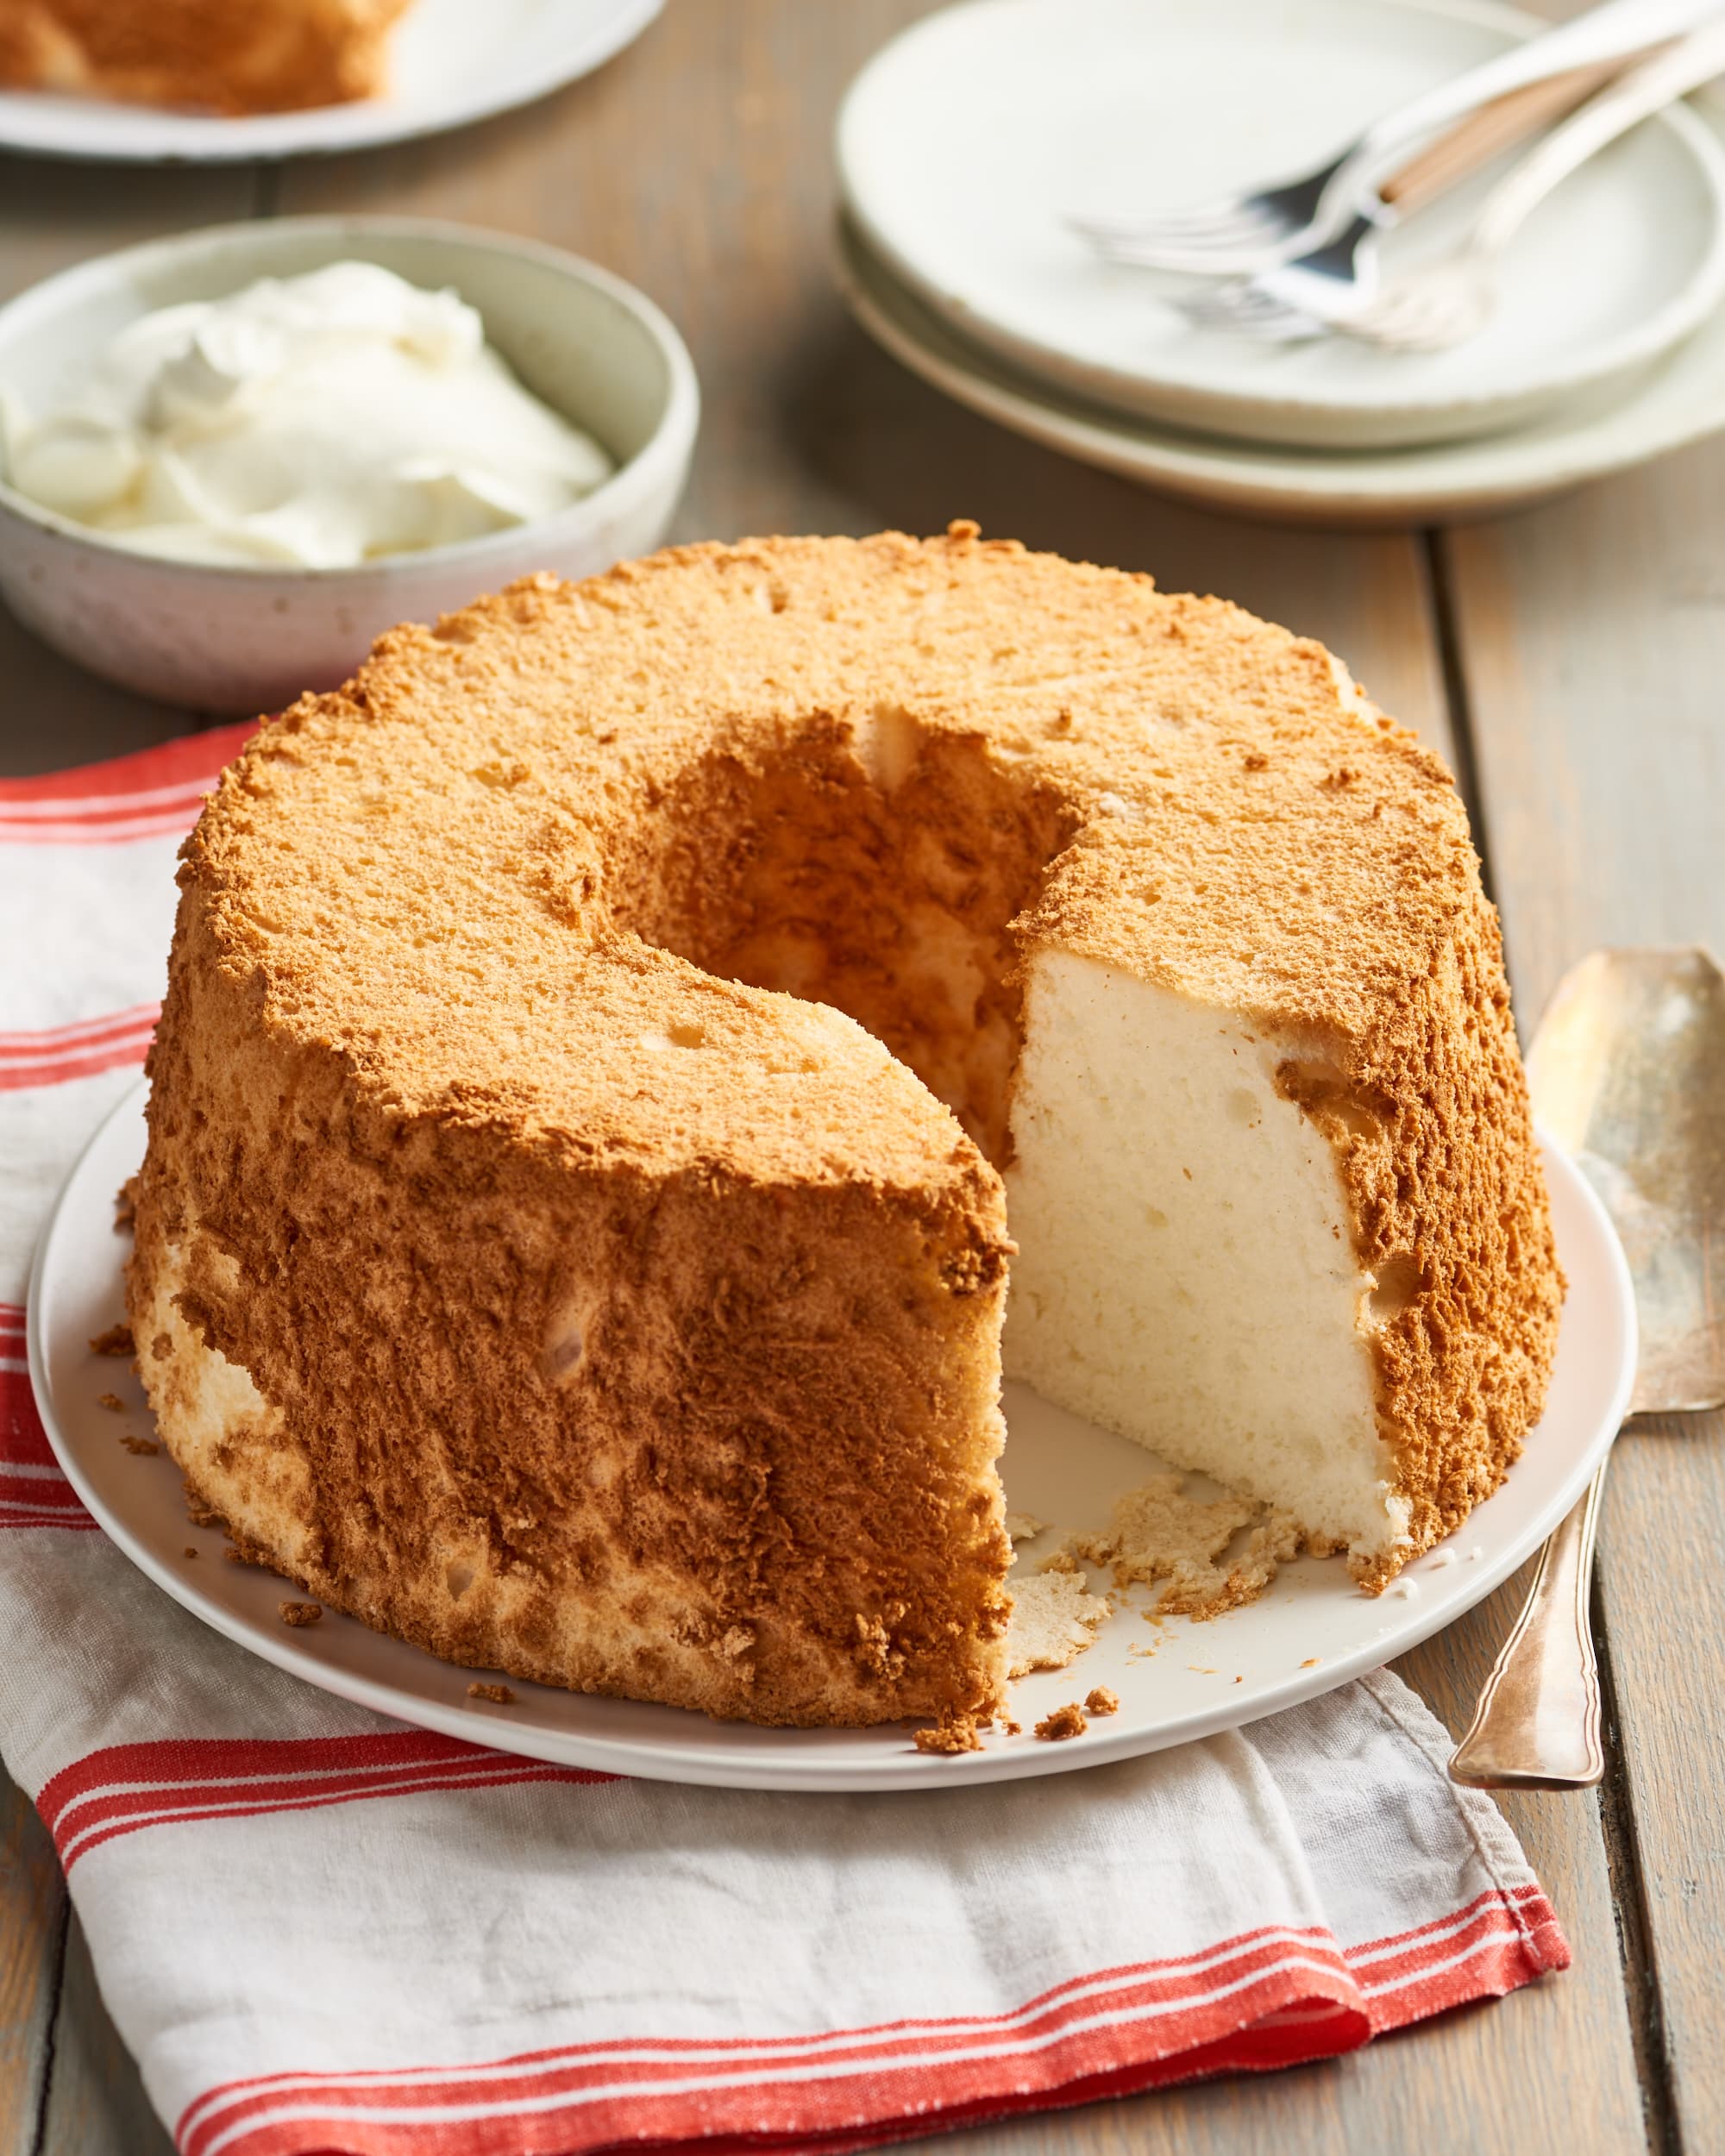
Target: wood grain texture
<point>96,2102</point>
<point>32,1931</point>
<point>54,214</point>
<point>698,165</point>
<point>1594,640</point>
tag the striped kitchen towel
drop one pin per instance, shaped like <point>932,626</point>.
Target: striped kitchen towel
<point>322,1930</point>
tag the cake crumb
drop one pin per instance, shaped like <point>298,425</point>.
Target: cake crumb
<point>1055,1618</point>
<point>116,1340</point>
<point>1063,1722</point>
<point>1012,1729</point>
<point>112,1402</point>
<point>950,1735</point>
<point>1160,1537</point>
<point>148,1447</point>
<point>498,1695</point>
<point>1023,1526</point>
<point>296,1613</point>
<point>1310,1662</point>
<point>189,1551</point>
<point>1101,1700</point>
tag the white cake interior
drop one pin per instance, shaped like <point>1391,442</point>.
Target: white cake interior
<point>1185,1274</point>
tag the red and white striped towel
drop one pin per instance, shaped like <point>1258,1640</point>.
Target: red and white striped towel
<point>320,1931</point>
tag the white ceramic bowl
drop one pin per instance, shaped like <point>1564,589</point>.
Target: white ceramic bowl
<point>248,640</point>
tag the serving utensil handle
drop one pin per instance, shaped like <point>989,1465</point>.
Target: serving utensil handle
<point>1537,1724</point>
<point>1612,31</point>
<point>1477,140</point>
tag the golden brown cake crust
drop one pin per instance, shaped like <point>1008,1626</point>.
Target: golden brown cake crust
<point>224,56</point>
<point>496,1017</point>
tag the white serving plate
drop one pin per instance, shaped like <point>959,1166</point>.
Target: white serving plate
<point>453,61</point>
<point>1312,1631</point>
<point>1680,402</point>
<point>965,143</point>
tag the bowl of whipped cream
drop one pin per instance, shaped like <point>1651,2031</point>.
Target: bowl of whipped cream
<point>230,460</point>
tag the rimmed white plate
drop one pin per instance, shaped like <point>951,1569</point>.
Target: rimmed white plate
<point>964,144</point>
<point>1682,401</point>
<point>451,62</point>
<point>1312,1631</point>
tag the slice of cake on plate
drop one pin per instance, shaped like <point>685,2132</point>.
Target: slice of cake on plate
<point>222,56</point>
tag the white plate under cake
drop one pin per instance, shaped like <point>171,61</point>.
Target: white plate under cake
<point>622,1048</point>
<point>1176,1680</point>
<point>445,64</point>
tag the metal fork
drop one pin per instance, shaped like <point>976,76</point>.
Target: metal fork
<point>1238,234</point>
<point>1445,302</point>
<point>1292,300</point>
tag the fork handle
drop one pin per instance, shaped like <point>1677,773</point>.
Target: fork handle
<point>1635,96</point>
<point>1618,30</point>
<point>1474,142</point>
<point>1537,1724</point>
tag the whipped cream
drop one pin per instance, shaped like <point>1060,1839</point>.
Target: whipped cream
<point>317,422</point>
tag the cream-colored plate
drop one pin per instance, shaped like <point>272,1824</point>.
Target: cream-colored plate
<point>1312,1631</point>
<point>452,62</point>
<point>963,146</point>
<point>1682,401</point>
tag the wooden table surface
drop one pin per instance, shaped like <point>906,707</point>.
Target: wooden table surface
<point>1568,663</point>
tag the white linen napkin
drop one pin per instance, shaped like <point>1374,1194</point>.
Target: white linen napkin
<point>319,1930</point>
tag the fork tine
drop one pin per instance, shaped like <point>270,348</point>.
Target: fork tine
<point>1244,310</point>
<point>1239,256</point>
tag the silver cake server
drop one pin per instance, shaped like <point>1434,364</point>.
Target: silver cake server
<point>1628,1073</point>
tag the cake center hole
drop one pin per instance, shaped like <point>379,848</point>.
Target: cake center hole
<point>876,867</point>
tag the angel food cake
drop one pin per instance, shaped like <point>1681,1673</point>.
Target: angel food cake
<point>218,56</point>
<point>638,1056</point>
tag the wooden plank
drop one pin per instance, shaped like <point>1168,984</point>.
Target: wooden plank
<point>32,1930</point>
<point>1593,634</point>
<point>53,213</point>
<point>810,428</point>
<point>96,2101</point>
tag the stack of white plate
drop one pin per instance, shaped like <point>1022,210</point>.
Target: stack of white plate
<point>966,145</point>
